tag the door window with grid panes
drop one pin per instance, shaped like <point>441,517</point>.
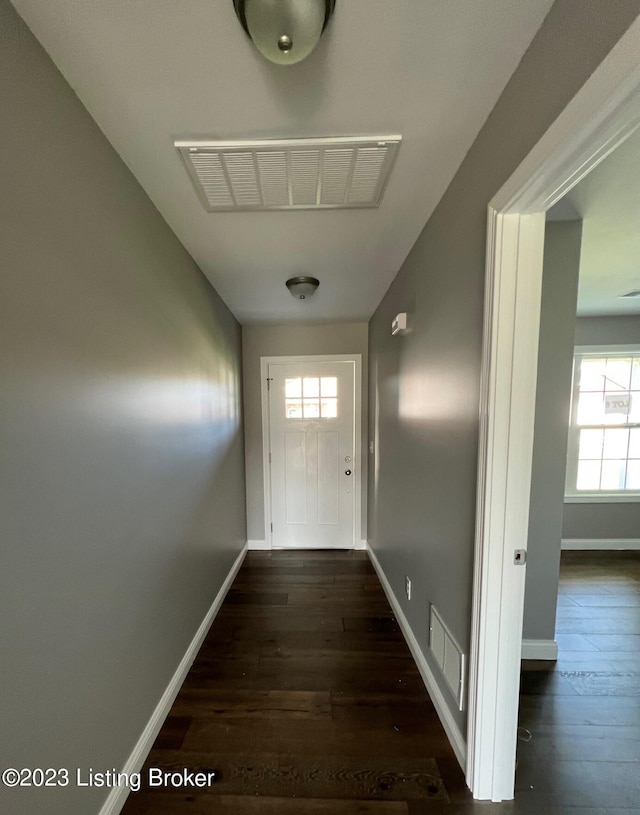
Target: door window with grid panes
<point>311,397</point>
<point>604,434</point>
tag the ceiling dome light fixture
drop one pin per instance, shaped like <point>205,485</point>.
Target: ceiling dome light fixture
<point>302,287</point>
<point>284,31</point>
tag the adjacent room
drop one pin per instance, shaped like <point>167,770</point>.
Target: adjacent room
<point>581,648</point>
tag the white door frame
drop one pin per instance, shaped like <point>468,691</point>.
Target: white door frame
<point>602,114</point>
<point>357,434</point>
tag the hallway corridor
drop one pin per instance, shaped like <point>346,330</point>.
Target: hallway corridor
<point>305,699</point>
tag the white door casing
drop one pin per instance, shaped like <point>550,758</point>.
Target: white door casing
<point>599,118</point>
<point>312,452</point>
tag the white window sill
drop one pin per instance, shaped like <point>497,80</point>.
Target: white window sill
<point>603,498</point>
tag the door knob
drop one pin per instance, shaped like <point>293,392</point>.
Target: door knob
<point>347,472</point>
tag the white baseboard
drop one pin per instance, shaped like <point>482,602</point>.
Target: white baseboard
<point>539,649</point>
<point>118,795</point>
<point>258,546</point>
<point>261,546</point>
<point>452,730</point>
<point>600,544</point>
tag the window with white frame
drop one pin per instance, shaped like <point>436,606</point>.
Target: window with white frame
<point>604,433</point>
<point>311,397</point>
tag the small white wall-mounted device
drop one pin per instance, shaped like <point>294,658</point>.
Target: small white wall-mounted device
<point>399,323</point>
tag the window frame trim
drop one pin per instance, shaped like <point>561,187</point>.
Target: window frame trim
<point>571,494</point>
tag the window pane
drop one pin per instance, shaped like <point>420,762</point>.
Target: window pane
<point>329,385</point>
<point>311,386</point>
<point>633,475</point>
<point>613,473</point>
<point>615,443</point>
<point>591,444</point>
<point>592,374</point>
<point>609,396</point>
<point>293,387</point>
<point>329,408</point>
<point>616,407</point>
<point>588,475</point>
<point>590,408</point>
<point>618,373</point>
<point>615,418</point>
<point>311,409</point>
<point>293,409</point>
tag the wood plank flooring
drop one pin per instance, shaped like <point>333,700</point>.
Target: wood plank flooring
<point>306,701</point>
<point>584,711</point>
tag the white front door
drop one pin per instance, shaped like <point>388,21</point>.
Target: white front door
<point>311,446</point>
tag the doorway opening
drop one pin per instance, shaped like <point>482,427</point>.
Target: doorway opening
<point>601,116</point>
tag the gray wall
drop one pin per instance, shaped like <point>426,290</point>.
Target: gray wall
<point>424,386</point>
<point>593,521</point>
<point>553,402</point>
<point>604,520</point>
<point>290,340</point>
<point>623,330</point>
<point>122,475</point>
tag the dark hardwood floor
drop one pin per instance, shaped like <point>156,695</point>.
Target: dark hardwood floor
<point>583,712</point>
<point>305,699</point>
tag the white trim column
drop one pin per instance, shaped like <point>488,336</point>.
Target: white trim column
<point>506,450</point>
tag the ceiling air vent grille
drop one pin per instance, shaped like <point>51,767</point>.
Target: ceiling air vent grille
<point>328,173</point>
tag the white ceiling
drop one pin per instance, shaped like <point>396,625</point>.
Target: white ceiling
<point>150,71</point>
<point>608,200</point>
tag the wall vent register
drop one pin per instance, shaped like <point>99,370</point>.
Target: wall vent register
<point>448,655</point>
<point>330,173</point>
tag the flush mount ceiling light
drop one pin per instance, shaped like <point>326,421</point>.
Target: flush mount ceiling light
<point>284,31</point>
<point>302,287</point>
